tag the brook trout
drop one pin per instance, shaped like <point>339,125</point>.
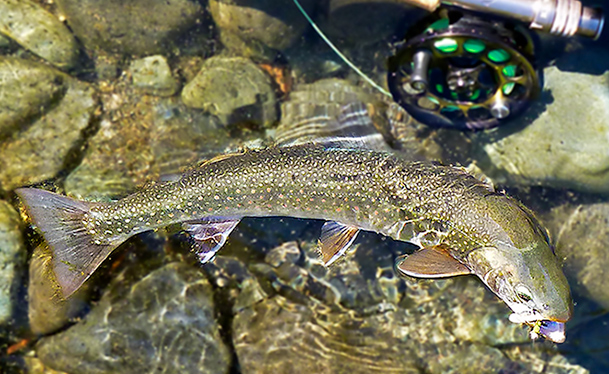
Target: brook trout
<point>462,225</point>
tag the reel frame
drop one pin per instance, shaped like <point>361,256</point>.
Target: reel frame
<point>464,72</point>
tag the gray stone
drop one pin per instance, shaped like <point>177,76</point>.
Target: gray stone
<point>12,259</point>
<point>164,323</point>
<point>291,314</point>
<point>259,24</point>
<point>323,100</point>
<point>141,138</point>
<point>33,365</point>
<point>357,20</point>
<point>566,146</point>
<point>4,41</point>
<point>39,151</point>
<point>136,27</point>
<point>48,311</point>
<point>581,234</point>
<point>153,75</point>
<point>321,103</point>
<point>27,89</point>
<point>39,31</point>
<point>233,89</point>
<point>310,63</point>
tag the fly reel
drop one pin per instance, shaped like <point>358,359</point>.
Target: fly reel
<point>464,72</point>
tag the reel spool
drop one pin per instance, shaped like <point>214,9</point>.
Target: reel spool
<point>464,72</point>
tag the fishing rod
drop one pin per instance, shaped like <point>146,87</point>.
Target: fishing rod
<point>558,17</point>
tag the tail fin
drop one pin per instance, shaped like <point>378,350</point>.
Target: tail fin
<point>75,254</point>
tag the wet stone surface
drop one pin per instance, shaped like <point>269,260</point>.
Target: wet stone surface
<point>12,259</point>
<point>250,99</point>
<point>581,235</point>
<point>163,324</point>
<point>40,150</point>
<point>565,146</point>
<point>307,114</point>
<point>153,75</point>
<point>258,28</point>
<point>290,314</point>
<point>47,310</point>
<point>141,138</point>
<point>27,89</point>
<point>39,31</point>
<point>137,27</point>
<point>321,101</point>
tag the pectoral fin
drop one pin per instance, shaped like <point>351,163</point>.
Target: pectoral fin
<point>209,235</point>
<point>431,262</point>
<point>335,239</point>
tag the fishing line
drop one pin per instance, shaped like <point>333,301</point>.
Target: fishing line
<point>338,52</point>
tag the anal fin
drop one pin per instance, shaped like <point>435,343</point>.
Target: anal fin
<point>209,235</point>
<point>431,262</point>
<point>335,239</point>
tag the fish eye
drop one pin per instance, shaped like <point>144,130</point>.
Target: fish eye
<point>523,293</point>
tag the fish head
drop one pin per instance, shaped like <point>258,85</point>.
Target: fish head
<point>517,262</point>
<point>530,281</point>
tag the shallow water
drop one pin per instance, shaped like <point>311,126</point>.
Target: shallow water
<point>133,94</point>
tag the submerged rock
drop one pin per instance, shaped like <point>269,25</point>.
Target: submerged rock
<point>250,98</point>
<point>5,42</point>
<point>27,89</point>
<point>566,145</point>
<point>39,152</point>
<point>153,75</point>
<point>291,314</point>
<point>47,310</point>
<point>33,365</point>
<point>581,234</point>
<point>311,109</point>
<point>12,259</point>
<point>39,31</point>
<point>141,138</point>
<point>358,20</point>
<point>136,27</point>
<point>255,28</point>
<point>164,323</point>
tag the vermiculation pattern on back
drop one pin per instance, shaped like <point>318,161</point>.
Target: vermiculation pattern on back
<point>371,190</point>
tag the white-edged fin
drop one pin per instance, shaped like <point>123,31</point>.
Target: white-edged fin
<point>352,129</point>
<point>335,239</point>
<point>431,262</point>
<point>209,235</point>
<point>74,250</point>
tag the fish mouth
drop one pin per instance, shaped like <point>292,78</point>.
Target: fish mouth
<point>526,317</point>
<point>551,330</point>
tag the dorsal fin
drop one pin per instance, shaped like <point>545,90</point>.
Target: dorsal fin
<point>474,170</point>
<point>222,157</point>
